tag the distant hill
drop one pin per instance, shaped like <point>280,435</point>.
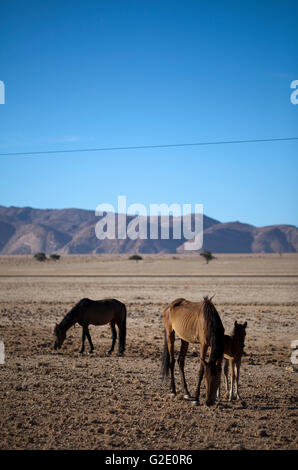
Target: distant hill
<point>26,231</point>
<point>235,237</point>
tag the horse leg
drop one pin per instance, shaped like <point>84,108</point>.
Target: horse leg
<point>83,341</point>
<point>181,361</point>
<point>225,371</point>
<point>226,374</point>
<point>203,351</point>
<point>114,336</point>
<point>232,379</point>
<point>89,339</point>
<point>122,337</point>
<point>218,391</point>
<point>237,372</point>
<point>171,342</point>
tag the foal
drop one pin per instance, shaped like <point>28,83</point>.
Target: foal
<point>233,352</point>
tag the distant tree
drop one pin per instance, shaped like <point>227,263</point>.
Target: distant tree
<point>207,255</point>
<point>135,257</point>
<point>40,256</point>
<point>54,256</point>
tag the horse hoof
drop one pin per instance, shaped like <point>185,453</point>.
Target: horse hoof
<point>90,352</point>
<point>172,395</point>
<point>195,403</point>
<point>120,354</point>
<point>186,397</point>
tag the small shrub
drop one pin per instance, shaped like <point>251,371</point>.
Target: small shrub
<point>207,255</point>
<point>135,257</point>
<point>54,256</point>
<point>40,256</point>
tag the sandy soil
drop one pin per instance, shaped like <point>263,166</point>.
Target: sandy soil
<point>63,400</point>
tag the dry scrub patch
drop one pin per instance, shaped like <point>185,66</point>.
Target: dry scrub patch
<point>63,400</point>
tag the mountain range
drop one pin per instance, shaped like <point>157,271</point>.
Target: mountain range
<point>24,230</point>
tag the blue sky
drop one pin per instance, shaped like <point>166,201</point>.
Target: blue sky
<point>113,73</point>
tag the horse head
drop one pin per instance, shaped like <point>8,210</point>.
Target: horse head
<point>212,373</point>
<point>59,336</point>
<point>240,333</point>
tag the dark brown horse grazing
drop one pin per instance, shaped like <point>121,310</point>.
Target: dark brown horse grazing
<point>233,352</point>
<point>194,322</point>
<point>94,312</point>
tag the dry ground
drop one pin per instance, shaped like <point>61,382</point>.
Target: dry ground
<point>62,400</point>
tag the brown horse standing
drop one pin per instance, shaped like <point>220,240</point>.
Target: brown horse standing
<point>94,312</point>
<point>194,322</point>
<point>233,352</point>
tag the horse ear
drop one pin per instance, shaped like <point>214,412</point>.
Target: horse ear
<point>204,363</point>
<point>235,324</point>
<point>245,324</point>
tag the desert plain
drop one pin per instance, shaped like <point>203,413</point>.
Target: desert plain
<point>64,400</point>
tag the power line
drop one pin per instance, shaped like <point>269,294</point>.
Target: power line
<point>140,147</point>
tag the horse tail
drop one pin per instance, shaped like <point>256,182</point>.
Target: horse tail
<point>215,331</point>
<point>165,367</point>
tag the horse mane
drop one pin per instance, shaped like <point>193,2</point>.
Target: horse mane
<point>215,330</point>
<point>70,318</point>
